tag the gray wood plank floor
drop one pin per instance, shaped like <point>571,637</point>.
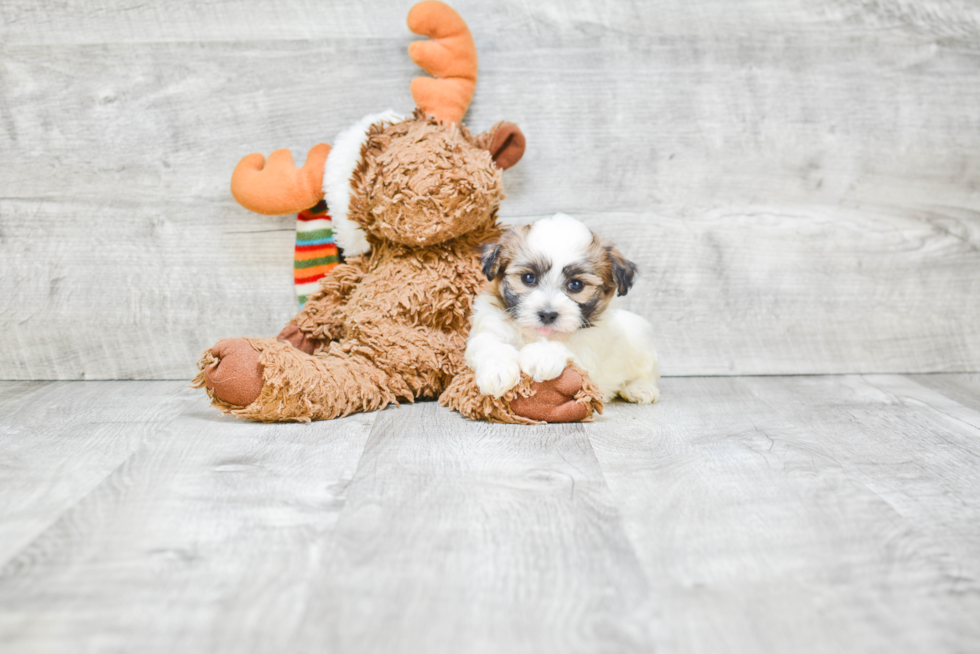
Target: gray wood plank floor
<point>741,514</point>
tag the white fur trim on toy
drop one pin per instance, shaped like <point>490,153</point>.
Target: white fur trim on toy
<point>344,157</point>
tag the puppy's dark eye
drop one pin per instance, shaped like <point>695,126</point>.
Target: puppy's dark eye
<point>529,279</point>
<point>575,285</point>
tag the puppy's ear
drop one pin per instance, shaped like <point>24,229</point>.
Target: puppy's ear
<point>624,270</point>
<point>491,259</point>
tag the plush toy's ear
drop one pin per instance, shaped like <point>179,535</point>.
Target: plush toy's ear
<point>624,270</point>
<point>505,141</point>
<point>507,146</point>
<point>491,260</point>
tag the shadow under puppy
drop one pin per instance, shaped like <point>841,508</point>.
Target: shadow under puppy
<point>551,302</point>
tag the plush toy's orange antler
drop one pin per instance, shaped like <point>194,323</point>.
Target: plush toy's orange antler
<point>450,57</point>
<point>277,186</point>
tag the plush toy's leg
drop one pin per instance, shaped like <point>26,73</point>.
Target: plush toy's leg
<point>571,397</point>
<point>297,386</point>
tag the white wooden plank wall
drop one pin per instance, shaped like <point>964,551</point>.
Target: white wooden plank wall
<point>798,180</point>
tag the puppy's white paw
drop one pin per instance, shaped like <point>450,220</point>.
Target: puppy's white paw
<point>497,376</point>
<point>544,360</point>
<point>641,391</point>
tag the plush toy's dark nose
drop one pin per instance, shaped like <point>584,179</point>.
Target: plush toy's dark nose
<point>547,317</point>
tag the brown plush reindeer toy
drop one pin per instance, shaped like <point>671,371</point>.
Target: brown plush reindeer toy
<point>412,198</point>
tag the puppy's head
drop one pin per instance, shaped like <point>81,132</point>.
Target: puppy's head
<point>555,276</point>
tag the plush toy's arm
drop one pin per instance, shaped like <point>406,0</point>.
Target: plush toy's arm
<point>571,397</point>
<point>320,320</point>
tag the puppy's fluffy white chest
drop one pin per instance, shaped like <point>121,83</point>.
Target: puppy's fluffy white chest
<point>617,351</point>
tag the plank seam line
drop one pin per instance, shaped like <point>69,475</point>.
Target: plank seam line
<point>933,407</point>
<point>620,518</point>
<point>140,447</point>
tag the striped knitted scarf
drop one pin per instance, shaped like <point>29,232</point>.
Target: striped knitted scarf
<point>316,252</point>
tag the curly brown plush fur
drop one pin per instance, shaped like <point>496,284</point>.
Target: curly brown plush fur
<point>391,325</point>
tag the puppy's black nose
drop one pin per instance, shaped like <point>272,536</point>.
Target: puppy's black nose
<point>547,317</point>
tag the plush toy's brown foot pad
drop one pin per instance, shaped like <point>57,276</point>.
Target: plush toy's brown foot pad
<point>297,338</point>
<point>236,378</point>
<point>553,400</point>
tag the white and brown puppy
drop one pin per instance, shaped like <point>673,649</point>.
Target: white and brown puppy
<point>551,301</point>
